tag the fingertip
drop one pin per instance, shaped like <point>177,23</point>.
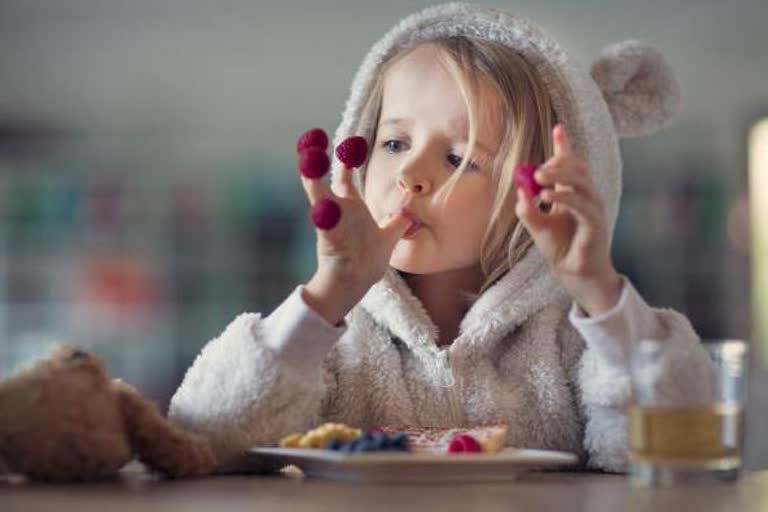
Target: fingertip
<point>561,138</point>
<point>401,220</point>
<point>396,224</point>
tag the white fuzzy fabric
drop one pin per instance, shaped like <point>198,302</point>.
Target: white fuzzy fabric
<point>638,85</point>
<point>558,382</point>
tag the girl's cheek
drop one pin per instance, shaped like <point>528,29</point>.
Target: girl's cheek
<point>373,196</point>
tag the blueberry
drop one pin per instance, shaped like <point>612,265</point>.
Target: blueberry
<point>362,446</point>
<point>399,441</point>
<point>380,442</point>
<point>333,444</point>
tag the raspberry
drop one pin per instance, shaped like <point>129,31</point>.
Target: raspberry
<point>313,162</point>
<point>312,138</point>
<point>325,213</point>
<point>464,443</point>
<point>523,178</point>
<point>352,152</point>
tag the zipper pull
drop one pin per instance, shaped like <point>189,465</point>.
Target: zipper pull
<point>448,380</point>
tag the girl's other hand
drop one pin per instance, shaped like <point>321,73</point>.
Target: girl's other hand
<point>353,254</point>
<point>572,236</point>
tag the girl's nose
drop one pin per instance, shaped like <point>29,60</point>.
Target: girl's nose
<point>417,185</point>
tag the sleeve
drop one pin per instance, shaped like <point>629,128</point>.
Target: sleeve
<point>681,369</point>
<point>261,379</point>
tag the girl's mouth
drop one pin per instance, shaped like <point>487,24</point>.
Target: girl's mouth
<point>416,223</point>
<point>411,230</point>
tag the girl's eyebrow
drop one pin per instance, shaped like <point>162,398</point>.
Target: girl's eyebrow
<point>395,121</point>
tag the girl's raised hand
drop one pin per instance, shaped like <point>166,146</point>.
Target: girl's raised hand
<point>572,235</point>
<point>352,253</point>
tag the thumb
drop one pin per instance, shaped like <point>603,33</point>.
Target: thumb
<point>528,213</point>
<point>395,226</point>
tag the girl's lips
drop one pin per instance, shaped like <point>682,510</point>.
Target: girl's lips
<point>416,223</point>
<point>411,230</point>
<point>411,216</point>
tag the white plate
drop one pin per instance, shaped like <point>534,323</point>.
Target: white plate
<point>407,467</point>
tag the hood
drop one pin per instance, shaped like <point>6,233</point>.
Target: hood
<point>628,91</point>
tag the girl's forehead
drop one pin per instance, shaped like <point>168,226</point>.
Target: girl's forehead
<point>419,84</point>
<point>424,60</point>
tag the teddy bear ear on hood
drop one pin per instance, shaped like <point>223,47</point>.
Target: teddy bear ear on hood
<point>638,85</point>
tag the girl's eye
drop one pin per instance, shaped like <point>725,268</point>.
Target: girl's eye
<point>392,146</point>
<point>396,146</point>
<point>455,161</point>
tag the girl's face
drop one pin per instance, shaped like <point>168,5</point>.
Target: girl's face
<point>421,139</point>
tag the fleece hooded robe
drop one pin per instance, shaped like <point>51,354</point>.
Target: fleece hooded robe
<point>525,354</point>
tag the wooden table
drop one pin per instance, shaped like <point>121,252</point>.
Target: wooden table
<point>135,490</point>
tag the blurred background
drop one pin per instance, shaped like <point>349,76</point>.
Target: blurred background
<point>148,191</point>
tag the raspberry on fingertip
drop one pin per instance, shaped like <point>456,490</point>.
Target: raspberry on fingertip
<point>325,214</point>
<point>352,151</point>
<point>312,138</point>
<point>314,162</point>
<point>523,179</point>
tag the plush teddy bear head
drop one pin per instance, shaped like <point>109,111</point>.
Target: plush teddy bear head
<point>64,419</point>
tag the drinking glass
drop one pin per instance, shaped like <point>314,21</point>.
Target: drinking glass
<point>686,426</point>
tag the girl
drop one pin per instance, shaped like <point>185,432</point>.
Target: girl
<point>444,296</point>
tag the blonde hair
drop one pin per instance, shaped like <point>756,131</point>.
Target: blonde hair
<point>528,118</point>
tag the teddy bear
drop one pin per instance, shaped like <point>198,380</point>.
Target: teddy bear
<point>64,419</point>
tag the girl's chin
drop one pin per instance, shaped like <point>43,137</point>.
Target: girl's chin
<point>411,266</point>
<point>407,258</point>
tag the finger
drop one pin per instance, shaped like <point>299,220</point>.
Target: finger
<point>573,176</point>
<point>316,189</point>
<point>345,184</point>
<point>582,208</point>
<point>395,226</point>
<point>562,145</point>
<point>528,212</point>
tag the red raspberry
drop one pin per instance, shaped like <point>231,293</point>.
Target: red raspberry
<point>352,152</point>
<point>523,178</point>
<point>325,213</point>
<point>312,138</point>
<point>464,443</point>
<point>313,162</point>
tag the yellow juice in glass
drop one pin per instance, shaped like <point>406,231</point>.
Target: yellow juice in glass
<point>706,436</point>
